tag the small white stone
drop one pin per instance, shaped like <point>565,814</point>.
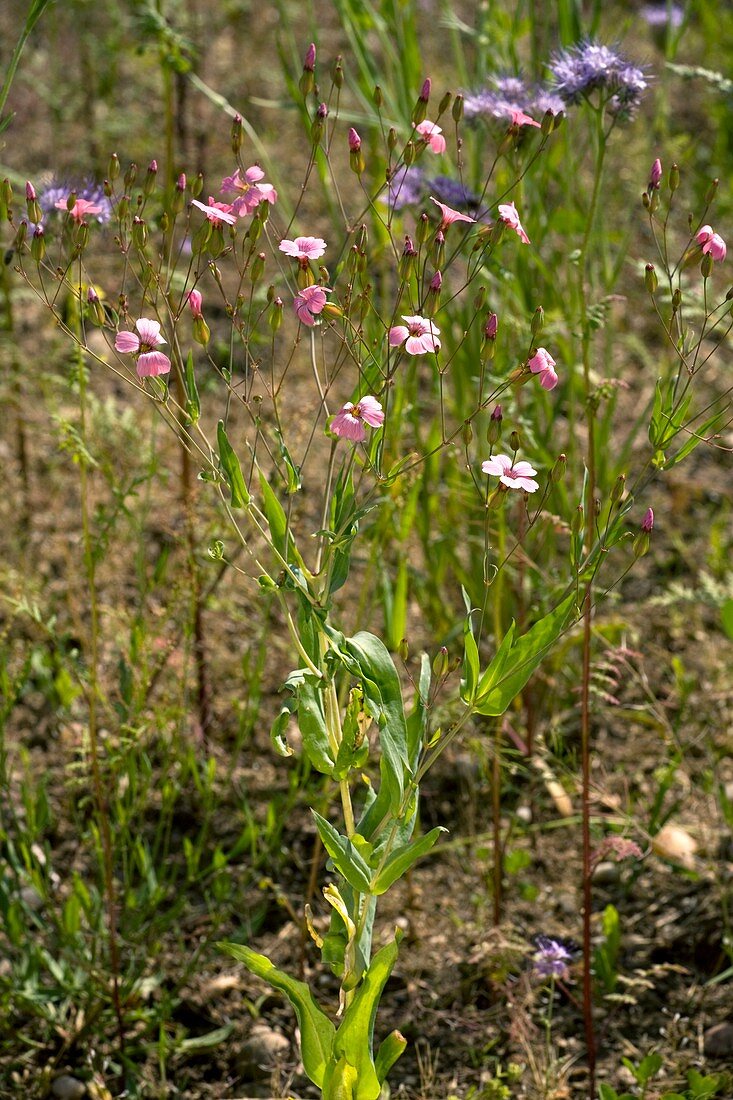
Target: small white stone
<point>67,1087</point>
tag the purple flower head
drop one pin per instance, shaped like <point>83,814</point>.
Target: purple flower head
<point>552,958</point>
<point>453,193</point>
<point>590,67</point>
<point>407,187</point>
<point>88,192</point>
<point>663,16</point>
<point>507,94</point>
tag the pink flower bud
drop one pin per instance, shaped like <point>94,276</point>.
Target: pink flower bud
<point>655,175</point>
<point>322,111</point>
<point>437,281</point>
<point>354,140</point>
<point>153,167</point>
<point>181,182</point>
<point>648,521</point>
<point>497,414</point>
<point>425,90</point>
<point>490,330</point>
<point>195,302</point>
<point>409,249</point>
<point>92,296</point>
<point>30,191</point>
<point>309,62</point>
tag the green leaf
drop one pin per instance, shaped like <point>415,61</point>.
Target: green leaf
<point>206,1042</point>
<point>471,662</point>
<point>403,858</point>
<point>231,469</point>
<point>280,725</point>
<point>341,1082</point>
<point>389,1051</point>
<point>515,662</point>
<point>345,856</point>
<point>193,402</point>
<point>311,720</point>
<point>726,616</point>
<point>282,538</point>
<point>316,1030</point>
<point>354,1038</point>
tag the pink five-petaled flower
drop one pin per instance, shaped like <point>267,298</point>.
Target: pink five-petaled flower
<point>432,134</point>
<point>509,215</point>
<point>80,209</point>
<point>449,215</point>
<point>349,421</point>
<point>248,189</point>
<point>520,119</point>
<point>711,242</point>
<point>515,476</point>
<point>419,335</point>
<point>304,249</point>
<point>543,364</point>
<point>216,212</point>
<point>309,302</point>
<point>150,362</point>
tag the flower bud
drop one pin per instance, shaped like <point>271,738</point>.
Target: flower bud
<point>493,433</point>
<point>650,278</point>
<point>710,193</point>
<point>467,433</point>
<point>113,168</point>
<point>655,175</point>
<point>407,260</point>
<point>258,266</point>
<point>337,73</point>
<point>377,96</point>
<point>201,331</point>
<point>391,139</point>
<point>432,300</point>
<point>95,307</point>
<point>6,192</point>
<point>276,314</point>
<point>356,157</point>
<point>445,103</point>
<point>439,249</point>
<point>403,650</point>
<point>578,521</point>
<point>491,327</point>
<point>139,233</point>
<point>38,244</point>
<point>515,441</point>
<point>316,131</point>
<point>457,111</point>
<point>706,265</point>
<point>426,89</point>
<point>420,110</point>
<point>130,176</point>
<point>81,238</point>
<point>642,542</point>
<point>441,662</point>
<point>674,178</point>
<point>237,134</point>
<point>308,80</point>
<point>408,154</point>
<point>197,185</point>
<point>150,177</point>
<point>550,121</point>
<point>71,201</point>
<point>645,201</point>
<point>654,202</point>
<point>422,230</point>
<point>123,207</point>
<point>538,321</point>
<point>676,299</point>
<point>557,473</point>
<point>30,192</point>
<point>647,523</point>
<point>618,488</point>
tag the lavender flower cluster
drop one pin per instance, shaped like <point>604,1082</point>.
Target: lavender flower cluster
<point>88,192</point>
<point>410,186</point>
<point>508,94</point>
<point>589,67</point>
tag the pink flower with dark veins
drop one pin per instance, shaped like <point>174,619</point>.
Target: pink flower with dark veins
<point>418,334</point>
<point>509,215</point>
<point>216,212</point>
<point>449,215</point>
<point>711,242</point>
<point>309,302</point>
<point>304,249</point>
<point>143,344</point>
<point>349,421</point>
<point>248,189</point>
<point>518,475</point>
<point>544,365</point>
<point>432,134</point>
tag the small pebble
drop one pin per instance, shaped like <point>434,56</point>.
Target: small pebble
<point>524,814</point>
<point>67,1087</point>
<point>264,1045</point>
<point>606,873</point>
<point>718,1041</point>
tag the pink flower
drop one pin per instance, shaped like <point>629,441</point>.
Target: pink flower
<point>517,476</point>
<point>509,215</point>
<point>432,134</point>
<point>711,242</point>
<point>150,362</point>
<point>195,302</point>
<point>543,364</point>
<point>80,209</point>
<point>250,192</point>
<point>309,302</point>
<point>520,119</point>
<point>419,335</point>
<point>216,212</point>
<point>304,249</point>
<point>450,215</point>
<point>349,421</point>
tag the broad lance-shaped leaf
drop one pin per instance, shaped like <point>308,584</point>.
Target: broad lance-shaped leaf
<point>193,403</point>
<point>403,858</point>
<point>231,469</point>
<point>282,537</point>
<point>311,720</point>
<point>345,856</point>
<point>355,1037</point>
<point>316,1030</point>
<point>389,1051</point>
<point>515,662</point>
